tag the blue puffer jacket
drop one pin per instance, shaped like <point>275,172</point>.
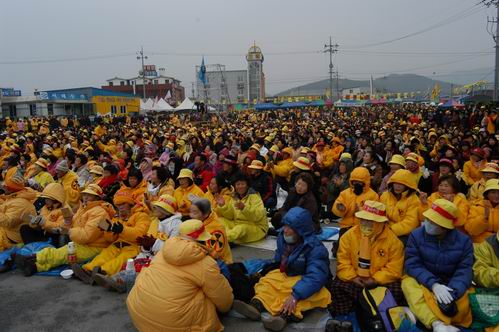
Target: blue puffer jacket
<point>310,259</point>
<point>448,261</point>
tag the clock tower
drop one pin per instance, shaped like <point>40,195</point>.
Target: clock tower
<point>256,77</point>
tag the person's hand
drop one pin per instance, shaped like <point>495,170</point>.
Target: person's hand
<point>370,282</point>
<point>220,200</point>
<point>449,197</point>
<point>423,197</point>
<point>239,205</point>
<point>358,281</point>
<point>289,306</point>
<point>442,293</point>
<point>146,241</point>
<point>341,207</point>
<point>338,181</point>
<point>105,225</point>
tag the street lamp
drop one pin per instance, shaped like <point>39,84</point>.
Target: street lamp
<point>141,56</point>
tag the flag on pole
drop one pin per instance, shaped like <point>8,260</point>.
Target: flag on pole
<point>202,72</point>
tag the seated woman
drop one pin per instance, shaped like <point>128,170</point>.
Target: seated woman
<point>448,188</point>
<point>218,186</point>
<point>195,290</point>
<point>438,264</point>
<point>402,204</point>
<point>298,285</point>
<point>300,195</point>
<point>184,193</point>
<point>49,224</point>
<point>369,254</point>
<point>244,217</point>
<point>483,219</point>
<point>201,210</point>
<point>486,267</point>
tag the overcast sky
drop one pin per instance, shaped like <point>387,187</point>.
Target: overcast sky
<point>291,34</point>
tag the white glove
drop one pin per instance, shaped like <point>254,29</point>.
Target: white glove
<point>426,173</point>
<point>31,182</point>
<point>439,326</point>
<point>442,293</point>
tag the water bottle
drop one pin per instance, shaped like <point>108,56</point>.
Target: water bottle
<point>130,274</point>
<point>72,253</point>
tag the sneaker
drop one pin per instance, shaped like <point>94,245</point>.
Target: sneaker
<point>82,274</point>
<point>274,323</point>
<point>109,283</point>
<point>26,264</point>
<point>247,310</point>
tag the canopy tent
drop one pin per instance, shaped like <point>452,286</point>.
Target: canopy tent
<point>451,103</point>
<point>296,104</point>
<point>162,106</point>
<point>266,106</point>
<point>146,106</point>
<point>187,104</point>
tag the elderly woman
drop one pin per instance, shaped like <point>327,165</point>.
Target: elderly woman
<point>218,186</point>
<point>195,290</point>
<point>244,217</point>
<point>438,264</point>
<point>186,191</point>
<point>298,284</point>
<point>369,254</point>
<point>483,219</point>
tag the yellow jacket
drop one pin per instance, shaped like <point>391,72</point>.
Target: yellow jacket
<point>12,211</point>
<point>402,214</point>
<point>477,226</point>
<point>53,219</point>
<point>85,228</point>
<point>283,168</point>
<point>471,174</point>
<point>253,213</point>
<point>189,301</point>
<point>476,190</point>
<point>136,226</point>
<point>72,189</point>
<point>387,256</point>
<point>218,242</point>
<point>350,200</point>
<point>43,178</point>
<point>227,194</point>
<point>460,201</point>
<point>182,197</point>
<point>486,267</point>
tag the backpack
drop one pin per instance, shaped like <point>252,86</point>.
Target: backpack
<point>377,311</point>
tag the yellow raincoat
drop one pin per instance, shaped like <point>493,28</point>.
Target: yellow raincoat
<point>189,301</point>
<point>247,225</point>
<point>182,197</point>
<point>471,173</point>
<point>486,267</point>
<point>227,194</point>
<point>12,211</point>
<point>353,202</point>
<point>218,242</point>
<point>71,188</point>
<point>476,226</point>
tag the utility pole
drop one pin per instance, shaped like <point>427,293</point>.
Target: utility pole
<point>338,84</point>
<point>192,90</point>
<point>331,49</point>
<point>141,56</point>
<point>495,36</point>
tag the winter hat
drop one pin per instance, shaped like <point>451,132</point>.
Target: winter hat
<point>372,210</point>
<point>185,173</point>
<point>123,196</point>
<point>398,160</point>
<point>443,213</point>
<point>256,164</point>
<point>93,189</point>
<point>167,203</point>
<point>302,163</point>
<point>195,230</point>
<point>62,167</point>
<point>54,191</point>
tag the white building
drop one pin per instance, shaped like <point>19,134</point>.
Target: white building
<point>222,86</point>
<point>256,77</point>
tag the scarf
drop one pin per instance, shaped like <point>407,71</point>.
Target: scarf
<point>107,181</point>
<point>364,258</point>
<point>288,249</point>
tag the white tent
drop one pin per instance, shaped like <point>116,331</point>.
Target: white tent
<point>162,106</point>
<point>187,104</point>
<point>146,106</point>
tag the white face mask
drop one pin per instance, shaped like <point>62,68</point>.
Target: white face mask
<point>290,239</point>
<point>433,229</point>
<point>171,168</point>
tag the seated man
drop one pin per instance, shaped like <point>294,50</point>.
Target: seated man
<point>244,217</point>
<point>123,232</point>
<point>369,254</point>
<point>438,264</point>
<point>89,239</point>
<point>17,203</point>
<point>298,284</point>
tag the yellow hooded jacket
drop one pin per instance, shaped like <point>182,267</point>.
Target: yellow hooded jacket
<point>12,211</point>
<point>189,301</point>
<point>182,197</point>
<point>227,194</point>
<point>476,226</point>
<point>472,174</point>
<point>136,226</point>
<point>71,188</point>
<point>387,256</point>
<point>218,242</point>
<point>486,267</point>
<point>352,202</point>
<point>85,228</point>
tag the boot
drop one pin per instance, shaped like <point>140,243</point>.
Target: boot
<point>247,310</point>
<point>82,274</point>
<point>26,264</point>
<point>274,323</point>
<point>333,325</point>
<point>109,283</point>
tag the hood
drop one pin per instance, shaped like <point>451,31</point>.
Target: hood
<point>404,177</point>
<point>300,220</point>
<point>361,174</point>
<point>178,251</point>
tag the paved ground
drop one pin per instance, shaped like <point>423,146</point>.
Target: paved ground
<point>52,304</point>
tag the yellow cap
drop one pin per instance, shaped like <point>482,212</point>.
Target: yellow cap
<point>397,159</point>
<point>93,189</point>
<point>372,210</point>
<point>167,203</point>
<point>442,213</point>
<point>185,173</point>
<point>194,229</point>
<point>256,164</point>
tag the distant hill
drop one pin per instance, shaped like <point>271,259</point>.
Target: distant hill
<point>463,77</point>
<point>386,84</point>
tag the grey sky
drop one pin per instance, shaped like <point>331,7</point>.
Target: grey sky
<point>62,29</point>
